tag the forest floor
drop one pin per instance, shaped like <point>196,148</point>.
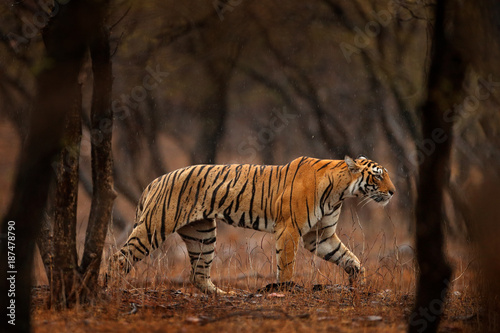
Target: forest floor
<point>156,295</point>
<point>330,308</point>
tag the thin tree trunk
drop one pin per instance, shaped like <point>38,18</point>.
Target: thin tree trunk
<point>102,165</point>
<point>213,117</point>
<point>445,79</point>
<point>45,243</point>
<point>64,274</point>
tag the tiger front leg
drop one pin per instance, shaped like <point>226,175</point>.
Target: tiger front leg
<point>330,248</point>
<point>200,237</point>
<point>287,242</point>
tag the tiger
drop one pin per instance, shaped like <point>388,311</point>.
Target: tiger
<point>301,199</point>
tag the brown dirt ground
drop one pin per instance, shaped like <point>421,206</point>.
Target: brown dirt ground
<point>181,308</point>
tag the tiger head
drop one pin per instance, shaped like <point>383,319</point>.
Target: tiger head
<point>370,180</point>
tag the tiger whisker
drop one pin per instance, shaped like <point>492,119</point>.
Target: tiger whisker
<point>367,202</point>
<point>363,201</point>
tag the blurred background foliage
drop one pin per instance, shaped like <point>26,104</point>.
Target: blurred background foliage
<point>261,82</point>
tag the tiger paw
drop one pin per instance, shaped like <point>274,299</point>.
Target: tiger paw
<point>357,277</point>
<point>281,286</point>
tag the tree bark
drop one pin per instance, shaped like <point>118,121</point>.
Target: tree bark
<point>64,274</point>
<point>45,243</point>
<point>212,126</point>
<point>102,163</point>
<point>445,79</point>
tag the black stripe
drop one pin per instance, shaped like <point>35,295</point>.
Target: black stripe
<point>338,164</point>
<point>145,253</point>
<point>154,242</point>
<point>287,167</point>
<point>265,215</point>
<point>255,225</point>
<point>201,167</point>
<point>252,197</point>
<point>325,196</point>
<point>206,231</point>
<point>157,189</point>
<point>197,254</point>
<point>227,212</point>
<point>323,240</point>
<point>210,168</point>
<point>341,256</point>
<point>193,205</point>
<point>328,256</point>
<point>329,226</point>
<point>179,198</point>
<point>324,166</point>
<point>294,219</point>
<point>317,161</point>
<point>280,169</point>
<point>270,181</point>
<point>308,216</point>
<point>241,223</point>
<point>214,193</point>
<point>163,212</point>
<point>279,236</point>
<point>146,250</point>
<point>198,240</point>
<point>238,197</point>
<point>262,189</point>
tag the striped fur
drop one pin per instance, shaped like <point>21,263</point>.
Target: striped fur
<point>300,199</point>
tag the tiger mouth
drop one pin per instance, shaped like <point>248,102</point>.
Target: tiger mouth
<point>381,199</point>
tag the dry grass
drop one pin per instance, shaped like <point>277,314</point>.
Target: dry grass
<point>156,296</point>
<point>183,309</point>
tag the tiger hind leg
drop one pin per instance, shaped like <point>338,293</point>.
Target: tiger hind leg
<point>200,237</point>
<point>139,245</point>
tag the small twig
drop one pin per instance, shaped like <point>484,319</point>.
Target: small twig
<point>117,44</point>
<point>120,19</point>
<point>465,270</point>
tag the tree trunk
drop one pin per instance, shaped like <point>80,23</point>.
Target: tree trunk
<point>102,163</point>
<point>45,242</point>
<point>43,144</point>
<point>213,117</point>
<point>64,274</point>
<point>445,79</point>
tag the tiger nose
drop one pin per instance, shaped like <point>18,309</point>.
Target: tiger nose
<point>391,192</point>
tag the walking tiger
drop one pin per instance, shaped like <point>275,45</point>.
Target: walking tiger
<point>301,199</point>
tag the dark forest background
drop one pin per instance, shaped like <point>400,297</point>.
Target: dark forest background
<point>251,82</point>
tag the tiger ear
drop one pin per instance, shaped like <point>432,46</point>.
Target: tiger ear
<point>351,164</point>
<point>362,157</point>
